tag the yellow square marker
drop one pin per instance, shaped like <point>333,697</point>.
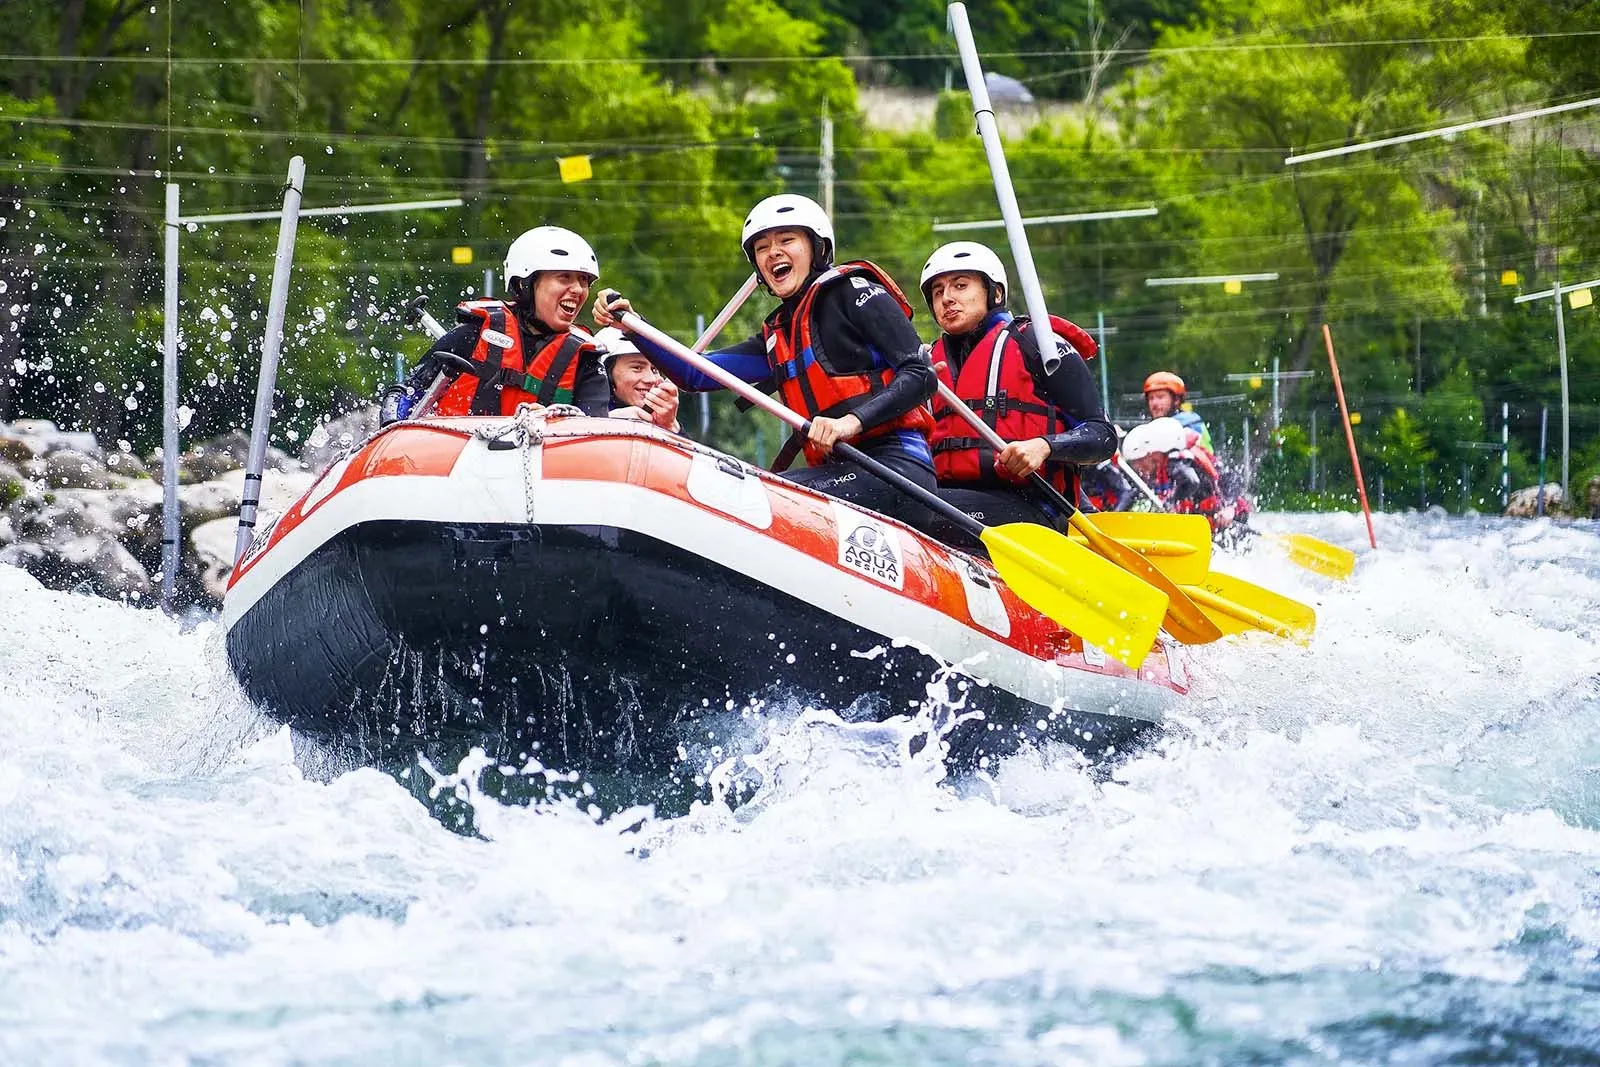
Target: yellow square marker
<point>1233,287</point>
<point>574,168</point>
<point>1580,298</point>
<point>1509,277</point>
<point>461,255</point>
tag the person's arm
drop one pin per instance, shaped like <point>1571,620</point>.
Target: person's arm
<point>746,361</point>
<point>1072,390</point>
<point>877,320</point>
<point>397,401</point>
<point>591,390</point>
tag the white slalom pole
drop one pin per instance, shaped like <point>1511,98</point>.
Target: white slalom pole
<point>1016,233</point>
<point>709,334</point>
<point>169,406</point>
<point>271,346</point>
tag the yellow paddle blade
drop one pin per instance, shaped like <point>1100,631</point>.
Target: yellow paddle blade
<point>1179,545</point>
<point>1316,555</point>
<point>1184,619</point>
<point>1236,605</point>
<point>1095,599</point>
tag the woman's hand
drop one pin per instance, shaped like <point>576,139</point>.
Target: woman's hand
<point>826,432</point>
<point>607,306</point>
<point>1022,458</point>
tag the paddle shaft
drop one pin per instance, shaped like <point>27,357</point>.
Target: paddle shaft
<point>634,324</point>
<point>1142,485</point>
<point>998,443</point>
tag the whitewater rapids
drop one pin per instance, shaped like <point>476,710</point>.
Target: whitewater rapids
<point>1381,848</point>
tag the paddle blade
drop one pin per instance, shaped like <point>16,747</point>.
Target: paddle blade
<point>1236,605</point>
<point>1095,599</point>
<point>1178,545</point>
<point>1184,619</point>
<point>1315,555</point>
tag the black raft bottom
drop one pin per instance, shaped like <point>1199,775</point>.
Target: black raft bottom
<point>588,649</point>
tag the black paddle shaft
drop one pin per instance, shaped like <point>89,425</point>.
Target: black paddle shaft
<point>907,486</point>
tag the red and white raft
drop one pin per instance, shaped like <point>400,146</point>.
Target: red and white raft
<point>591,593</point>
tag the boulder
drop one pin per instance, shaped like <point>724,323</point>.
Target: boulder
<point>14,450</point>
<point>333,438</point>
<point>127,465</point>
<point>209,459</point>
<point>8,532</point>
<point>41,436</point>
<point>92,563</point>
<point>213,550</point>
<point>1524,502</point>
<point>67,468</point>
<point>1591,496</point>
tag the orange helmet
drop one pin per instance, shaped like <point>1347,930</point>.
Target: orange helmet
<point>1165,379</point>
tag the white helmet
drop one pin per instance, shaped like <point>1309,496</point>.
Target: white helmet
<point>1164,435</point>
<point>549,248</point>
<point>787,211</point>
<point>614,342</point>
<point>963,256</point>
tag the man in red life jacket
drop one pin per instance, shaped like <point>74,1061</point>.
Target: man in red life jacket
<point>1182,472</point>
<point>639,391</point>
<point>524,349</point>
<point>1050,415</point>
<point>839,349</point>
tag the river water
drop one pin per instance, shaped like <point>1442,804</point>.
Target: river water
<point>1383,848</point>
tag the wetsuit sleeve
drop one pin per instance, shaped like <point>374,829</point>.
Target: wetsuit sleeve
<point>396,401</point>
<point>591,392</point>
<point>879,321</point>
<point>1071,389</point>
<point>746,361</point>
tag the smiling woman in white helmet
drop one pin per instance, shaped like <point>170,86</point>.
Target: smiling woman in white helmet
<point>523,349</point>
<point>839,349</point>
<point>1050,415</point>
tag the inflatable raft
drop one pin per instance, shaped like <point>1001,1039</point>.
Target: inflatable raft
<point>593,594</point>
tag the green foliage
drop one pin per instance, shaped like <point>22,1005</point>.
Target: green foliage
<point>1401,251</point>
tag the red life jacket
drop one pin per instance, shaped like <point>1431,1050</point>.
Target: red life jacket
<point>506,377</point>
<point>809,384</point>
<point>995,382</point>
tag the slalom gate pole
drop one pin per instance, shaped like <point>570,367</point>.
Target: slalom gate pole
<point>1349,435</point>
<point>169,404</point>
<point>271,346</point>
<point>1016,232</point>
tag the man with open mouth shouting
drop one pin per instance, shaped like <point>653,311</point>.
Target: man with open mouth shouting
<point>523,350</point>
<point>839,349</point>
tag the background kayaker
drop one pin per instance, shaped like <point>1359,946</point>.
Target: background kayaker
<point>525,348</point>
<point>1051,418</point>
<point>1181,470</point>
<point>639,390</point>
<point>1164,393</point>
<point>839,349</point>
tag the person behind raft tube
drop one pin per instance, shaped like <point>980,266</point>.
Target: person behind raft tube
<point>526,349</point>
<point>639,391</point>
<point>1179,469</point>
<point>1050,416</point>
<point>839,349</point>
<point>1164,393</point>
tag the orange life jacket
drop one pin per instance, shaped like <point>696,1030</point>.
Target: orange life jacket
<point>506,377</point>
<point>995,382</point>
<point>810,384</point>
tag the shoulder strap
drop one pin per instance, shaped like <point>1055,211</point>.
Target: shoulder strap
<point>486,400</point>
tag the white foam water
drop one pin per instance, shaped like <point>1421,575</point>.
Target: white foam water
<point>1383,847</point>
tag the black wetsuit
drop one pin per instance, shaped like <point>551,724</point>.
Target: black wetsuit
<point>858,330</point>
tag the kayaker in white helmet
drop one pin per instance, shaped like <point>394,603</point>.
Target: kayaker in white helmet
<point>839,349</point>
<point>524,349</point>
